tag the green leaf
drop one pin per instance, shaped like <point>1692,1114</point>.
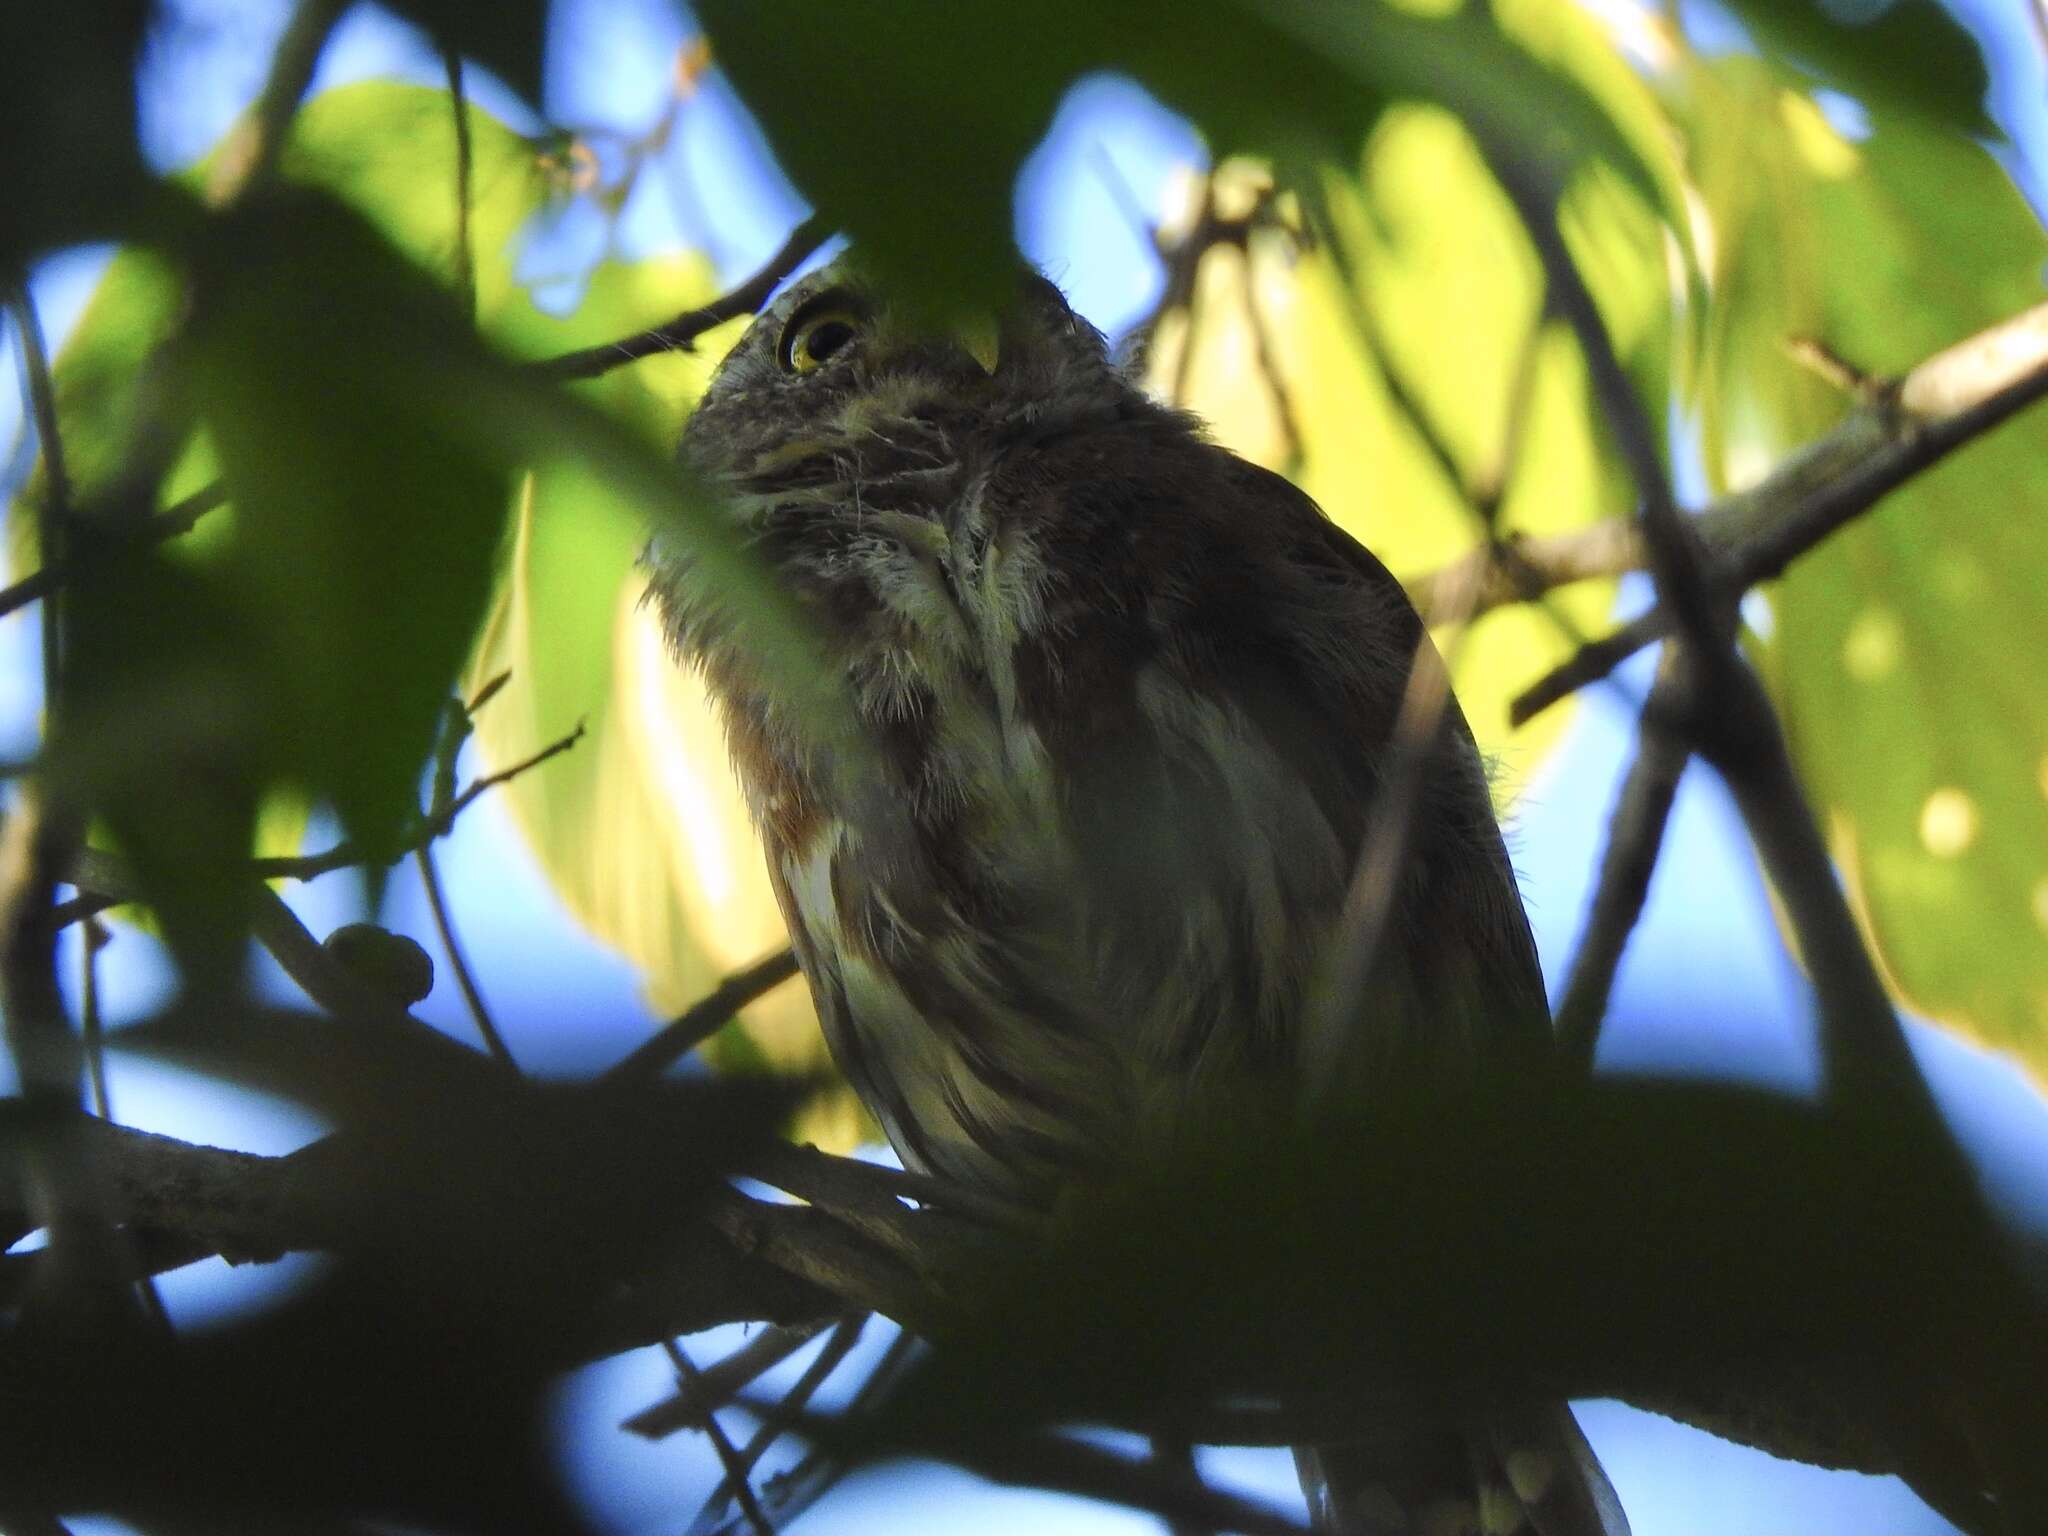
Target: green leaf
<point>950,99</point>
<point>331,378</point>
<point>1893,647</point>
<point>165,740</point>
<point>67,117</point>
<point>1906,55</point>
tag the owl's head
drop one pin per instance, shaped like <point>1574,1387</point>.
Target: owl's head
<point>832,367</point>
<point>874,463</point>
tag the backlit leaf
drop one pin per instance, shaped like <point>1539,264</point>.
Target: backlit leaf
<point>1893,649</point>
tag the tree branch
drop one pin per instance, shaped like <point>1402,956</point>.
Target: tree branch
<point>1635,836</point>
<point>681,333</point>
<point>55,575</point>
<point>1752,536</point>
<point>256,143</point>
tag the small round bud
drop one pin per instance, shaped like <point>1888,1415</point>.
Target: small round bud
<point>389,964</point>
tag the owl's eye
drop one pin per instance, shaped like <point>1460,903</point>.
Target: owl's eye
<point>817,333</point>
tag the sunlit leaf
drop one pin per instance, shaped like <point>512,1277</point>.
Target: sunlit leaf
<point>1893,646</point>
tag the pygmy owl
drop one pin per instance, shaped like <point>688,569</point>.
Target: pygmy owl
<point>1124,701</point>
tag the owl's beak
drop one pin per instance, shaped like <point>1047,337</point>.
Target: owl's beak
<point>982,339</point>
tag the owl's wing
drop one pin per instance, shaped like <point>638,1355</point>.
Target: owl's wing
<point>1135,722</point>
<point>1216,677</point>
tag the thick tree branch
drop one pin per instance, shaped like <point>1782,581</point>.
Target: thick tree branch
<point>1752,536</point>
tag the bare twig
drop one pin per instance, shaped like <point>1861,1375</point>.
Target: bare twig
<point>703,1019</point>
<point>79,1277</point>
<point>255,145</point>
<point>53,514</point>
<point>1526,566</point>
<point>776,1420</point>
<point>789,1494</point>
<point>465,255</point>
<point>1635,836</point>
<point>681,333</point>
<point>1671,542</point>
<point>436,823</point>
<point>830,1257</point>
<point>440,811</point>
<point>718,1384</point>
<point>738,1485</point>
<point>1067,1465</point>
<point>1365,325</point>
<point>465,979</point>
<point>91,1029</point>
<point>54,575</point>
<point>1269,368</point>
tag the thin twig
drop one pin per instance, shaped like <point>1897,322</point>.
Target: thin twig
<point>78,1278</point>
<point>703,1019</point>
<point>302,958</point>
<point>1184,267</point>
<point>1269,368</point>
<point>436,823</point>
<point>54,575</point>
<point>465,256</point>
<point>1489,490</point>
<point>775,1422</point>
<point>455,730</point>
<point>681,333</point>
<point>718,1384</point>
<point>737,1483</point>
<point>250,157</point>
<point>1675,556</point>
<point>1064,1464</point>
<point>91,1028</point>
<point>1366,327</point>
<point>1635,836</point>
<point>465,979</point>
<point>53,513</point>
<point>790,1493</point>
<point>836,1261</point>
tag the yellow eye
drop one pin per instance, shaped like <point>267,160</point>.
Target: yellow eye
<point>815,336</point>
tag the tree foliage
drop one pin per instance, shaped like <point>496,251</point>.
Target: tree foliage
<point>314,464</point>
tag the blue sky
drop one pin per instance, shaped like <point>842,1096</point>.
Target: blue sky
<point>1707,986</point>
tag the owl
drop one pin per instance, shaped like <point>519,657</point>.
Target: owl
<point>1123,706</point>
